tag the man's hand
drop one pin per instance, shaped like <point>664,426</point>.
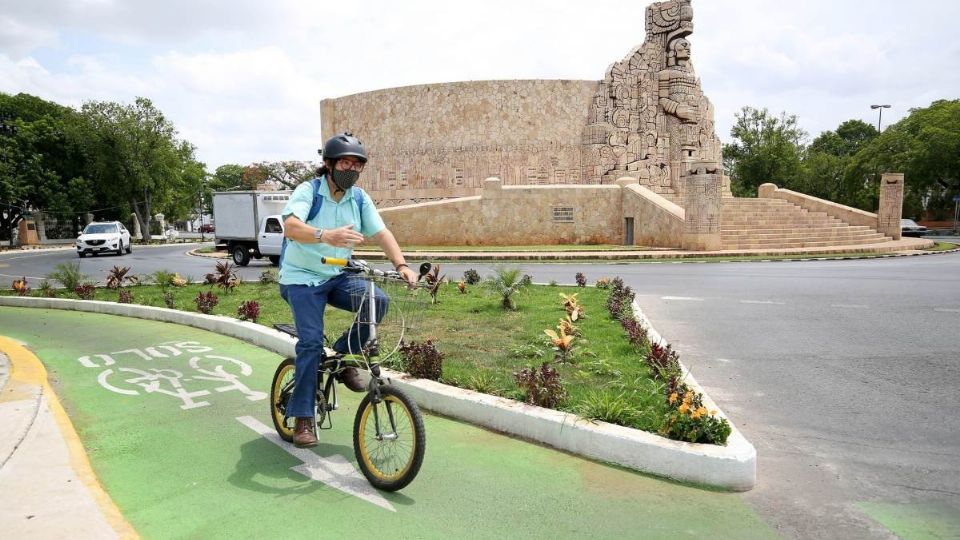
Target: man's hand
<point>408,275</point>
<point>342,237</point>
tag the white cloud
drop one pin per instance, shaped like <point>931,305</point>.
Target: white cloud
<point>242,81</point>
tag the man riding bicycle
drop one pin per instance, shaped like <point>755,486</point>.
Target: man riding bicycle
<point>327,217</point>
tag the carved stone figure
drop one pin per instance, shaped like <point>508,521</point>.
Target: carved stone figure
<point>650,112</point>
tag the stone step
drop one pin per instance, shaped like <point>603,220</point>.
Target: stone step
<point>819,228</point>
<point>798,234</point>
<point>784,244</point>
<point>841,239</point>
<point>781,222</point>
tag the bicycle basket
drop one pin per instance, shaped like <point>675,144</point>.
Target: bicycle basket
<point>397,323</point>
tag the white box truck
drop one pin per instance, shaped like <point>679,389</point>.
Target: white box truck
<point>249,224</point>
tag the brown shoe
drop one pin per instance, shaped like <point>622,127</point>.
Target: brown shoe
<point>351,378</point>
<point>303,434</point>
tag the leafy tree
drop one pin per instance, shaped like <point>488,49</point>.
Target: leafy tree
<point>42,161</point>
<point>925,146</point>
<point>826,162</point>
<point>284,174</point>
<point>765,149</point>
<point>136,156</point>
<point>228,176</point>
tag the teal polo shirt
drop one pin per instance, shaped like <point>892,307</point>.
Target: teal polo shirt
<point>301,262</point>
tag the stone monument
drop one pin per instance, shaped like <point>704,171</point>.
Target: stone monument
<point>891,205</point>
<point>650,119</point>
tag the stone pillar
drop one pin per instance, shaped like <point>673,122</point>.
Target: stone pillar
<point>766,191</point>
<point>891,205</point>
<point>88,218</point>
<point>492,188</point>
<point>702,204</point>
<point>27,230</point>
<point>163,224</point>
<point>136,226</point>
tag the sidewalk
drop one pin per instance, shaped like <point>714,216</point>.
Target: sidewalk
<point>43,467</point>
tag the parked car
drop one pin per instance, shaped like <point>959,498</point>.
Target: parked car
<point>909,227</point>
<point>208,228</point>
<point>104,237</point>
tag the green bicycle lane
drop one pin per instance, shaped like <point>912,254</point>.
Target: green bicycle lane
<point>176,424</point>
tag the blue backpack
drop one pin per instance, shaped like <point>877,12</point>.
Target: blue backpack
<point>359,197</point>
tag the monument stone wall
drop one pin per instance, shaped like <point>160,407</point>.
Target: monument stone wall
<point>442,140</point>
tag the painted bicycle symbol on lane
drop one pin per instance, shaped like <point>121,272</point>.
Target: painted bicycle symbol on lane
<point>200,376</point>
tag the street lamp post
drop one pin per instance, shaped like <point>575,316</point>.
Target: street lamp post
<point>881,107</point>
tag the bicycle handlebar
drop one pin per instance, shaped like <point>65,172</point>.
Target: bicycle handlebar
<point>358,266</point>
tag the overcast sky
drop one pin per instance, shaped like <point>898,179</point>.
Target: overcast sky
<point>242,80</point>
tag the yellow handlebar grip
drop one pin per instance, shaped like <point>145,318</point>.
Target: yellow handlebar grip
<point>334,261</point>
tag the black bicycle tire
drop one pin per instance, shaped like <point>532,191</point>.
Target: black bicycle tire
<point>420,440</point>
<point>275,413</point>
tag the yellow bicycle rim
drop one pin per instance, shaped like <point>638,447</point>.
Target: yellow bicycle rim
<point>401,416</point>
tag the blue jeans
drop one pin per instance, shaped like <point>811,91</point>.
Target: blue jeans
<point>308,302</point>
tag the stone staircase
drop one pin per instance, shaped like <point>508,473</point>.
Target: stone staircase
<point>777,224</point>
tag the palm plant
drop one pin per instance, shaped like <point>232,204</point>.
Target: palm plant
<point>507,283</point>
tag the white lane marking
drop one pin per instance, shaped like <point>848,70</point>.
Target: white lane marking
<point>946,310</point>
<point>335,470</point>
<point>682,298</point>
<point>850,306</point>
<point>763,302</point>
<point>724,360</point>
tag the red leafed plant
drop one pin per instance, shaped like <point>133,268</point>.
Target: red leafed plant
<point>249,310</point>
<point>206,301</point>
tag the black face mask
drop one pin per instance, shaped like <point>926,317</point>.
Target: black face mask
<point>344,180</point>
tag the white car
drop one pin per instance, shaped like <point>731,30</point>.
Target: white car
<point>104,237</point>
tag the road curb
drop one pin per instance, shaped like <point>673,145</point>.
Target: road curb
<point>731,467</point>
<point>27,396</point>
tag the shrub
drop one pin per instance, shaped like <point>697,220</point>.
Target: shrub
<point>69,275</point>
<point>20,285</point>
<point>117,276</point>
<point>483,382</point>
<point>168,300</point>
<point>471,277</point>
<point>85,291</point>
<point>581,279</point>
<point>541,385</point>
<point>178,281</point>
<point>268,276</point>
<point>573,306</point>
<point>692,422</point>
<point>206,301</point>
<point>562,344</point>
<point>603,283</point>
<point>224,276</point>
<point>126,296</point>
<point>507,283</point>
<point>615,409</point>
<point>422,360</point>
<point>636,333</point>
<point>47,290</point>
<point>249,311</point>
<point>462,287</point>
<point>163,278</point>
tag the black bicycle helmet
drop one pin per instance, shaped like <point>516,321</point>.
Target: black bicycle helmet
<point>343,145</point>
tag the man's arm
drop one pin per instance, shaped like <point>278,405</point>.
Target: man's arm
<point>388,243</point>
<point>298,231</point>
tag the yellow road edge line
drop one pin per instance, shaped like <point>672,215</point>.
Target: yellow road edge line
<point>26,368</point>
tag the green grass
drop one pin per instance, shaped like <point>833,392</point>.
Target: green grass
<point>484,345</point>
<point>941,246</point>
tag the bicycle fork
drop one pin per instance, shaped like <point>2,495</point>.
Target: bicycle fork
<point>381,436</point>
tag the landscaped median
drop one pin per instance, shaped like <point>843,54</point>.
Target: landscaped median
<point>732,466</point>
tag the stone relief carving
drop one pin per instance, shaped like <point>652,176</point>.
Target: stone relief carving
<point>650,118</point>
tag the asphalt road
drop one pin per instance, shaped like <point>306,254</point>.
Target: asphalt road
<point>842,373</point>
